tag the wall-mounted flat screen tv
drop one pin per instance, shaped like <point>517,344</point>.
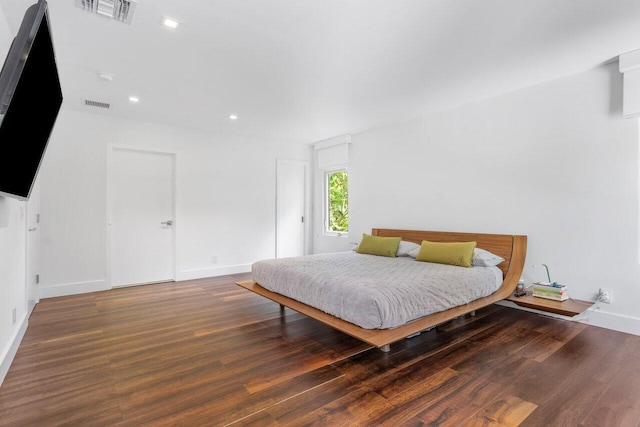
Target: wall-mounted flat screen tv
<point>30,99</point>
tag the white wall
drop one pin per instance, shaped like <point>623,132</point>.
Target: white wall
<point>556,162</point>
<point>225,198</point>
<point>12,257</point>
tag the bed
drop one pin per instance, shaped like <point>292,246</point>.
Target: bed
<point>393,324</point>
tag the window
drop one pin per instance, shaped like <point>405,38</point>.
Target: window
<point>337,202</point>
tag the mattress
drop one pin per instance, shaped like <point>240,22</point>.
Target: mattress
<point>375,292</point>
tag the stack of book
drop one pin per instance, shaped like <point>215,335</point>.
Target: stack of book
<point>552,291</point>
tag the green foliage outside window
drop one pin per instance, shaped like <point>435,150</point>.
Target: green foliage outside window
<point>338,184</point>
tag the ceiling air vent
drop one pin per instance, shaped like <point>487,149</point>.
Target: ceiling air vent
<point>97,104</point>
<point>120,10</point>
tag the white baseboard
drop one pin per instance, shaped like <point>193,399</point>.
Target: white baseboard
<point>72,289</point>
<point>212,272</point>
<point>53,291</point>
<point>602,319</point>
<point>617,322</point>
<point>9,352</point>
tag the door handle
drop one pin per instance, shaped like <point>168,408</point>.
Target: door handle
<point>33,229</point>
<point>168,223</point>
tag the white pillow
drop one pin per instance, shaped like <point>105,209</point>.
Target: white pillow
<point>404,249</point>
<point>482,258</point>
<point>414,252</point>
<point>408,249</point>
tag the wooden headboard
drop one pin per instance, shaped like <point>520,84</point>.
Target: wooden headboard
<point>499,244</point>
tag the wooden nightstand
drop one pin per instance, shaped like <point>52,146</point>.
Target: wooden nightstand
<point>570,307</point>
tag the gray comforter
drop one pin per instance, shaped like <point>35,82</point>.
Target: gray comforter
<point>375,292</point>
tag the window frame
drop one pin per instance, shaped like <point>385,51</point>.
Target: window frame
<point>326,204</point>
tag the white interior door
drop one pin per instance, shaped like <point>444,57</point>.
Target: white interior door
<point>33,248</point>
<point>142,216</point>
<point>290,208</point>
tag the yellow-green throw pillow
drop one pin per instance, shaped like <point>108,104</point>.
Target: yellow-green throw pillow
<point>454,253</point>
<point>375,245</point>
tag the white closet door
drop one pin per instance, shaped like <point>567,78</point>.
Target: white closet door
<point>142,217</point>
<point>290,208</point>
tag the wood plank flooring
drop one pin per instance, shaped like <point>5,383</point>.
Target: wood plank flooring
<point>208,353</point>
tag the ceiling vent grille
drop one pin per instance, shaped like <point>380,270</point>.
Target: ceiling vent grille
<point>120,10</point>
<point>97,104</point>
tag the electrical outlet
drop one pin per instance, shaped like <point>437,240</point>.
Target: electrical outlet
<point>214,259</point>
<point>606,295</point>
<point>13,316</point>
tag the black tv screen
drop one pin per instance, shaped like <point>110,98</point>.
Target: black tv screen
<point>30,99</point>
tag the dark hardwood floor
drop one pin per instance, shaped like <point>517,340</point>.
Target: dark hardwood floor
<point>206,352</point>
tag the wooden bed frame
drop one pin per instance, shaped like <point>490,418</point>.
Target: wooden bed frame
<point>510,247</point>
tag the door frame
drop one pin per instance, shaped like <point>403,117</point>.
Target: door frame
<point>111,148</point>
<point>307,203</point>
<point>32,266</point>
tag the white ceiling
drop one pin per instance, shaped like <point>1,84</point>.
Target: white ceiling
<point>306,70</point>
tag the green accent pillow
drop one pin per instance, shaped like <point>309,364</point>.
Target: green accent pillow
<point>454,253</point>
<point>382,246</point>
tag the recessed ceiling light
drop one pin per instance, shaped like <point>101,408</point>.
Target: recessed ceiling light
<point>105,76</point>
<point>170,22</point>
<point>134,99</point>
<point>233,117</point>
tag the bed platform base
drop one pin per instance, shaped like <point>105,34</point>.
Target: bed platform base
<point>511,247</point>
